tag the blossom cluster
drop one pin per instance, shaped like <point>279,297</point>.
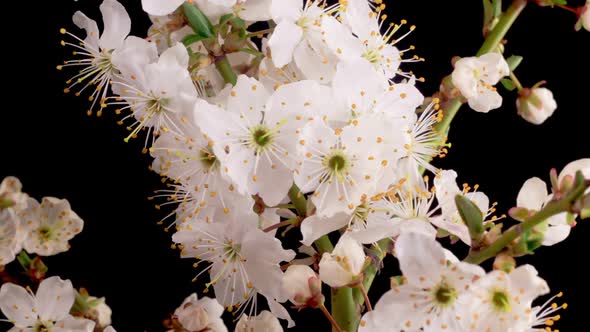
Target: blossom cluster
<point>312,124</point>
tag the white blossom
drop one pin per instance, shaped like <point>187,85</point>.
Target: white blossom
<point>475,78</point>
<point>501,301</point>
<point>47,310</point>
<point>49,226</point>
<point>11,195</point>
<point>536,105</point>
<point>200,314</point>
<point>433,295</point>
<point>243,261</point>
<point>96,51</point>
<point>10,244</point>
<point>344,265</point>
<point>100,311</point>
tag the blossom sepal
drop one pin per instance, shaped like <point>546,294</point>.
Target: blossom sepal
<point>34,268</point>
<point>197,20</point>
<point>472,216</point>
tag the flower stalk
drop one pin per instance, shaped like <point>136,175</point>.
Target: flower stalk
<point>330,318</point>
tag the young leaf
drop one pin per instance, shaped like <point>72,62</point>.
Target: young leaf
<point>513,61</point>
<point>197,20</point>
<point>191,39</point>
<point>471,215</point>
<point>508,84</point>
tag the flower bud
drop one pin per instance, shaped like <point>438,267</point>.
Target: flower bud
<point>99,311</point>
<point>303,286</point>
<point>584,17</point>
<point>344,265</point>
<point>536,105</point>
<point>199,314</point>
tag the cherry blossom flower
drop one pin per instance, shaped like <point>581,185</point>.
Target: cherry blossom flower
<point>49,226</point>
<point>11,195</point>
<point>96,51</point>
<point>475,78</point>
<point>200,314</point>
<point>303,286</point>
<point>433,296</point>
<point>344,265</point>
<point>47,310</point>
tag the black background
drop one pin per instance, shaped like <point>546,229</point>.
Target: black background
<point>56,150</point>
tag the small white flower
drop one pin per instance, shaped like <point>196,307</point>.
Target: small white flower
<point>344,265</point>
<point>303,286</point>
<point>200,314</point>
<point>100,311</point>
<point>536,105</point>
<point>264,322</point>
<point>475,78</point>
<point>341,167</point>
<point>156,94</point>
<point>96,68</point>
<point>9,236</point>
<point>533,196</point>
<point>298,37</point>
<point>502,302</point>
<point>11,195</point>
<point>49,226</point>
<point>48,310</point>
<point>259,134</point>
<point>446,187</point>
<point>243,261</point>
<point>433,297</point>
<point>367,42</point>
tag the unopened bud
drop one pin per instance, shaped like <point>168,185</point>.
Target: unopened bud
<point>536,105</point>
<point>303,286</point>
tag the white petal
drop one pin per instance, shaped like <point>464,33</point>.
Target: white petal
<point>354,93</point>
<point>485,101</point>
<point>249,98</point>
<point>176,55</point>
<point>332,273</point>
<point>92,34</point>
<point>283,41</point>
<point>278,310</point>
<point>315,63</point>
<point>17,305</point>
<point>160,7</point>
<point>532,195</point>
<point>286,10</point>
<point>582,165</point>
<point>117,24</point>
<point>74,324</point>
<point>555,234</point>
<point>494,67</point>
<point>255,10</point>
<point>341,40</point>
<point>348,247</point>
<point>55,298</point>
<point>459,230</point>
<point>314,227</point>
<point>421,259</point>
<point>525,280</point>
<point>361,18</point>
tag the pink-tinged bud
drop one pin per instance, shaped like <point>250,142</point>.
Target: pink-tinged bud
<point>303,286</point>
<point>536,105</point>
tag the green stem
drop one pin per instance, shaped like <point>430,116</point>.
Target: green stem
<point>282,223</point>
<point>225,70</point>
<point>495,37</point>
<point>551,209</point>
<point>323,245</point>
<point>344,309</point>
<point>298,199</point>
<point>515,81</point>
<point>369,274</point>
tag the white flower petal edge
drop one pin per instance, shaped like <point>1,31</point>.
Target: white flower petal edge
<point>344,265</point>
<point>160,7</point>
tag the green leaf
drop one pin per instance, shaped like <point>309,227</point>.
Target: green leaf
<point>197,20</point>
<point>513,61</point>
<point>238,23</point>
<point>224,19</point>
<point>508,84</point>
<point>250,51</point>
<point>471,215</point>
<point>191,39</point>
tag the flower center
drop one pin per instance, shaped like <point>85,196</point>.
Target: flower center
<point>44,233</point>
<point>501,301</point>
<point>232,250</point>
<point>5,203</point>
<point>208,158</point>
<point>337,163</point>
<point>445,295</point>
<point>260,137</point>
<point>42,327</point>
<point>372,55</point>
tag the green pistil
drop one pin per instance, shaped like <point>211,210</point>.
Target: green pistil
<point>45,233</point>
<point>445,295</point>
<point>501,301</point>
<point>207,158</point>
<point>261,136</point>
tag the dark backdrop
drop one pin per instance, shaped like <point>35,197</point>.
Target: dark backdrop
<point>56,150</point>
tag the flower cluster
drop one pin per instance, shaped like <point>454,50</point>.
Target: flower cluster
<point>311,123</point>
